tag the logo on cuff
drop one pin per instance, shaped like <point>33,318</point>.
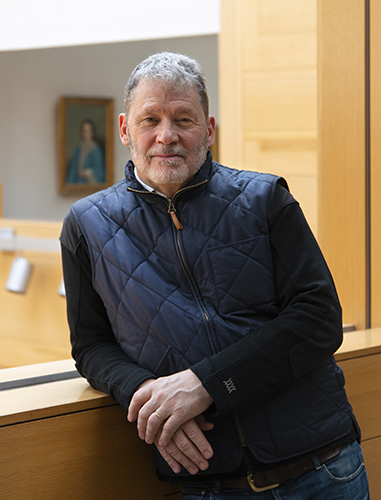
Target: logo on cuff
<point>230,385</point>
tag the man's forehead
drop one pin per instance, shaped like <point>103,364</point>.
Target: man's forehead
<point>168,87</point>
<point>152,96</point>
<point>156,89</point>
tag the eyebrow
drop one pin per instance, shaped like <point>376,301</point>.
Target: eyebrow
<point>153,109</point>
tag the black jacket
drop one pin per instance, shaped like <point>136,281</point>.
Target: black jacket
<point>241,295</point>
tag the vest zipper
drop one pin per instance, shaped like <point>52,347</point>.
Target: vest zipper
<point>194,286</point>
<point>172,212</point>
<point>241,436</point>
<point>171,206</point>
<point>179,227</point>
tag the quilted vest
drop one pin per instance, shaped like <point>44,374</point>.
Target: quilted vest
<point>175,296</point>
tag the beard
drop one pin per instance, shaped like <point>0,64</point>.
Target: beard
<point>167,171</point>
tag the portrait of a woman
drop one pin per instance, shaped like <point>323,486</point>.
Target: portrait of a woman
<point>87,166</point>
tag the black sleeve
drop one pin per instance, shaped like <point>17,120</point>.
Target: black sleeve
<point>98,356</point>
<point>307,330</point>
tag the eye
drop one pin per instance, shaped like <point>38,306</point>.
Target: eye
<point>184,121</point>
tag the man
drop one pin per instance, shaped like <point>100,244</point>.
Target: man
<point>199,300</point>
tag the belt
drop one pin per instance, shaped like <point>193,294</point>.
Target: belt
<point>266,480</point>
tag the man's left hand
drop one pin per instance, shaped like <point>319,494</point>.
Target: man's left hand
<point>188,447</point>
<point>166,404</point>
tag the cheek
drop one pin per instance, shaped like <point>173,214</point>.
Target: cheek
<point>195,140</point>
<point>142,141</point>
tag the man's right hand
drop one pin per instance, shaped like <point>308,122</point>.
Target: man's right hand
<point>188,446</point>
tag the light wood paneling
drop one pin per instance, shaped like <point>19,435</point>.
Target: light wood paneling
<point>33,326</point>
<point>280,104</point>
<point>267,23</point>
<point>229,80</point>
<point>72,442</point>
<point>360,359</point>
<point>375,101</point>
<point>372,450</point>
<point>279,16</point>
<point>358,344</point>
<point>268,95</point>
<point>64,439</point>
<point>293,159</point>
<point>363,382</point>
<point>341,38</point>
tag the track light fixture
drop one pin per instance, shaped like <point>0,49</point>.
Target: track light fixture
<point>19,275</point>
<point>21,268</point>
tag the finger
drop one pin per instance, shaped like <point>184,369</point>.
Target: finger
<point>169,454</point>
<point>174,464</point>
<point>203,423</point>
<point>171,425</point>
<point>148,429</point>
<point>187,449</point>
<point>176,457</point>
<point>198,438</point>
<point>139,399</point>
<point>147,418</point>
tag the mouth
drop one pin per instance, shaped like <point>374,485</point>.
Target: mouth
<point>168,157</point>
<point>169,154</point>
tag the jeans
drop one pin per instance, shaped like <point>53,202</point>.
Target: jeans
<point>343,478</point>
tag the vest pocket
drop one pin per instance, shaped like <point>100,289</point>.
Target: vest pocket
<point>242,273</point>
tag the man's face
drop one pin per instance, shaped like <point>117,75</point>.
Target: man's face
<point>167,133</point>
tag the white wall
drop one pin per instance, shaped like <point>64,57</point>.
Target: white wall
<point>26,24</point>
<point>30,84</point>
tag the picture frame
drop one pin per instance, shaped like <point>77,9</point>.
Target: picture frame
<point>85,145</point>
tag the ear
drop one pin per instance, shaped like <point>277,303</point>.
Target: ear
<point>211,130</point>
<point>122,119</point>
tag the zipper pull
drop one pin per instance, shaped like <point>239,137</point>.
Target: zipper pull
<point>172,211</point>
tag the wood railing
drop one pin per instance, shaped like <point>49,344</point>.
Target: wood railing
<point>62,439</point>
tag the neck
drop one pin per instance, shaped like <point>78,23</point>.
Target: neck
<point>167,190</point>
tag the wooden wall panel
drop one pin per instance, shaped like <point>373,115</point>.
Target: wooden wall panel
<point>88,455</point>
<point>280,103</point>
<point>64,440</point>
<point>229,63</point>
<point>268,70</point>
<point>375,192</point>
<point>371,451</point>
<point>294,160</point>
<point>33,326</point>
<point>279,16</point>
<point>360,359</point>
<point>342,194</point>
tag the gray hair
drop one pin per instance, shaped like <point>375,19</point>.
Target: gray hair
<point>172,69</point>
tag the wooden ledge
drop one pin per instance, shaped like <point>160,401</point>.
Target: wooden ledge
<point>359,343</point>
<point>58,395</point>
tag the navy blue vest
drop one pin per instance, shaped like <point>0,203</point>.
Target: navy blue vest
<point>174,297</point>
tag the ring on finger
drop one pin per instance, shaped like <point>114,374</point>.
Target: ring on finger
<point>158,416</point>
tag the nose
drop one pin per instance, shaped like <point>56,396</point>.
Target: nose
<point>166,133</point>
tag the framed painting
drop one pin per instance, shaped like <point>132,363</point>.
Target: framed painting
<point>85,145</point>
